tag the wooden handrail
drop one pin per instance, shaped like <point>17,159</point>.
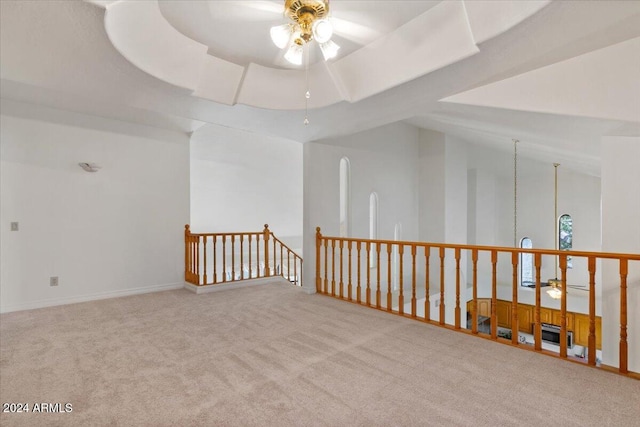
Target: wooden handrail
<point>248,251</point>
<point>395,301</point>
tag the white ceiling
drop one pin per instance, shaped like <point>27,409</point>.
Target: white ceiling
<point>59,54</point>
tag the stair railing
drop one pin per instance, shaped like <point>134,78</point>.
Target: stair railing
<point>216,258</point>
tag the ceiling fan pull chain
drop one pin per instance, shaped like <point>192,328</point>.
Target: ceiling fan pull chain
<point>307,94</point>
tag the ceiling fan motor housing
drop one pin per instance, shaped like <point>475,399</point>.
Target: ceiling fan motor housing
<point>305,13</point>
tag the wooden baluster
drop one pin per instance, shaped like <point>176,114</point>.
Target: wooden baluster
<point>326,270</point>
<point>186,253</point>
<point>215,264</point>
<point>413,281</point>
<point>341,257</point>
<point>474,290</point>
<point>258,266</point>
<point>514,298</point>
<point>288,265</point>
<point>349,285</point>
<point>318,244</point>
<point>494,294</point>
<point>442,308</point>
<point>457,309</point>
<point>224,257</point>
<point>258,256</point>
<point>281,259</point>
<point>427,302</point>
<point>368,289</point>
<point>266,234</point>
<point>537,259</point>
<point>389,302</point>
<point>333,267</point>
<point>197,264</point>
<point>295,271</point>
<point>242,257</point>
<point>301,278</point>
<point>378,295</point>
<point>204,260</point>
<point>358,289</point>
<point>233,257</point>
<point>591,357</point>
<point>624,271</point>
<point>401,294</point>
<point>563,306</point>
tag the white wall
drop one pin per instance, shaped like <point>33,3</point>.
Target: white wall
<point>384,160</point>
<point>492,218</point>
<point>115,232</point>
<point>241,181</point>
<point>621,233</point>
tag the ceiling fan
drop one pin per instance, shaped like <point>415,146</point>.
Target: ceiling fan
<point>308,20</point>
<point>556,288</point>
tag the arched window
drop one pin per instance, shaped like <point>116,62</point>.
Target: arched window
<point>345,197</point>
<point>526,263</point>
<point>373,225</point>
<point>565,236</point>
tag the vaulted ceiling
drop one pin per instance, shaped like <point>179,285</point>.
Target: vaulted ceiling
<point>558,75</point>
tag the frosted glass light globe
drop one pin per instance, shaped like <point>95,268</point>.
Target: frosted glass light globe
<point>322,30</point>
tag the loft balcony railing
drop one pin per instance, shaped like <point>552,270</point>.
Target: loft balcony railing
<point>217,258</point>
<point>396,275</point>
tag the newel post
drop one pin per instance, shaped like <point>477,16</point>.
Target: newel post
<point>187,232</point>
<point>318,240</point>
<point>266,233</point>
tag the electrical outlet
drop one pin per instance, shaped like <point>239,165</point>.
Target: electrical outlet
<point>14,226</point>
<point>53,281</point>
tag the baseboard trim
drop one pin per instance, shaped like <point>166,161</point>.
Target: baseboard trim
<point>31,305</point>
<point>205,289</point>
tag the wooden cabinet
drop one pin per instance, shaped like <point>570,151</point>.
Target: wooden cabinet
<point>576,322</point>
<point>581,330</point>
<point>503,312</point>
<point>546,315</point>
<point>525,318</point>
<point>484,307</point>
<point>557,319</point>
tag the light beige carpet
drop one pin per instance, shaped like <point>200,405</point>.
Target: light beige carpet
<point>271,355</point>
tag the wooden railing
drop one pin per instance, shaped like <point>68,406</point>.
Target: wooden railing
<point>351,269</point>
<point>215,258</point>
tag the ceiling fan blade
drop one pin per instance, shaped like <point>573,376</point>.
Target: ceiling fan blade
<point>578,287</point>
<point>354,32</point>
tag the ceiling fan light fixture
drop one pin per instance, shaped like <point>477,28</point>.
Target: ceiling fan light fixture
<point>281,34</point>
<point>294,53</point>
<point>555,293</point>
<point>322,30</point>
<point>329,49</point>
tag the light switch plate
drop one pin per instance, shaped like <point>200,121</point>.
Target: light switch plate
<point>14,226</point>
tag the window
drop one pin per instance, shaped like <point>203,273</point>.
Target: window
<point>565,236</point>
<point>345,197</point>
<point>526,263</point>
<point>373,225</point>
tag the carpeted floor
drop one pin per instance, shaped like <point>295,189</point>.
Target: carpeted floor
<point>270,355</point>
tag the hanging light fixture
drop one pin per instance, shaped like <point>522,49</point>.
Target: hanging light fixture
<point>308,21</point>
